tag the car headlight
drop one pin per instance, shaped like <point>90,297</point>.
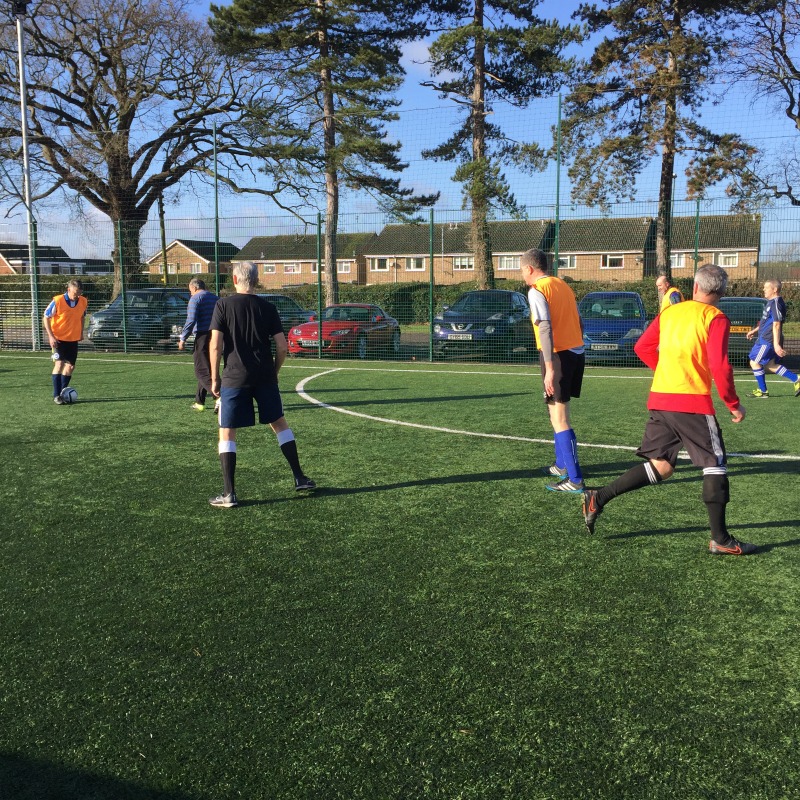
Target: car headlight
<point>633,333</point>
<point>340,332</point>
<point>296,332</point>
<point>176,328</point>
<point>489,329</point>
<point>437,328</point>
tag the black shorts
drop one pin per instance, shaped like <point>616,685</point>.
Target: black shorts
<point>67,351</point>
<point>567,376</point>
<point>667,432</point>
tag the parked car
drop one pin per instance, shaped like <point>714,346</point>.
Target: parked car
<point>348,329</point>
<point>150,315</point>
<point>744,314</point>
<point>493,322</point>
<point>612,324</point>
<point>289,310</point>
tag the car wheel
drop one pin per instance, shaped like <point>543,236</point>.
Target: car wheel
<point>362,347</point>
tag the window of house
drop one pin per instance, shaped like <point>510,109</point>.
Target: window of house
<point>567,262</point>
<point>172,268</point>
<point>291,268</point>
<point>343,267</point>
<point>677,260</point>
<point>508,262</point>
<point>269,269</point>
<point>379,265</point>
<point>463,262</point>
<point>415,264</point>
<point>608,261</point>
<point>726,259</point>
<point>196,267</point>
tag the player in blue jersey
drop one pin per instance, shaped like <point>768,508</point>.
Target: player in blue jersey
<point>768,349</point>
<point>198,322</point>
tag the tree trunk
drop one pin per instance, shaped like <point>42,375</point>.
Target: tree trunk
<point>479,230</point>
<point>126,255</point>
<point>664,219</point>
<point>331,170</point>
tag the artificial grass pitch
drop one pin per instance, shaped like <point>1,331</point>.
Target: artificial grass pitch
<point>430,623</point>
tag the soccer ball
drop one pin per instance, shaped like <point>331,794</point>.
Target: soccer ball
<point>69,395</point>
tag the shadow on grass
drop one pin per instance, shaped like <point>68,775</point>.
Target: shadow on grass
<point>788,523</point>
<point>437,399</point>
<point>137,399</point>
<point>687,473</point>
<point>27,779</point>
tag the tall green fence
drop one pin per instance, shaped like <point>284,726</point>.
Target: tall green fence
<point>405,291</point>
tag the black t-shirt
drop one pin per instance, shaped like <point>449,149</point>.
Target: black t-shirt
<point>247,323</point>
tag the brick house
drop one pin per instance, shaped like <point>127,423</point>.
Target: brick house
<point>291,259</point>
<point>401,253</point>
<point>192,257</point>
<point>50,261</point>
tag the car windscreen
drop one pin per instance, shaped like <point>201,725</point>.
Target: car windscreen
<point>599,307</point>
<point>351,314</point>
<point>481,304</point>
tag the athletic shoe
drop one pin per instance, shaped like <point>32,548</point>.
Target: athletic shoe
<point>565,485</point>
<point>59,400</point>
<point>224,500</point>
<point>733,548</point>
<point>797,388</point>
<point>303,483</point>
<point>761,395</point>
<point>591,510</point>
<point>198,407</point>
<point>554,470</point>
<point>217,404</point>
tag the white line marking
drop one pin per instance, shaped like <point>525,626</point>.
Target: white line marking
<point>300,389</point>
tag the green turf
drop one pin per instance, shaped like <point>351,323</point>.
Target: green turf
<point>430,624</point>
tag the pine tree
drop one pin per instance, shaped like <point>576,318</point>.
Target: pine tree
<point>343,62</point>
<point>492,51</point>
<point>640,93</point>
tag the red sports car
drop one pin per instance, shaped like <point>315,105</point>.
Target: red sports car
<point>348,329</point>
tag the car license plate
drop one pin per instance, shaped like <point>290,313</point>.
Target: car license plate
<point>108,334</point>
<point>605,347</point>
<point>308,343</point>
<point>460,337</point>
<point>739,329</point>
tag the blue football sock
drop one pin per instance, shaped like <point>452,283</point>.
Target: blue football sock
<point>566,444</point>
<point>761,381</point>
<point>785,373</point>
<point>56,384</point>
<point>65,379</point>
<point>559,458</point>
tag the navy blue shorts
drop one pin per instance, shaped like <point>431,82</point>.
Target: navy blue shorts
<point>236,406</point>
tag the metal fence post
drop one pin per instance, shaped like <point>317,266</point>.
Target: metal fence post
<point>122,287</point>
<point>431,285</point>
<point>319,284</point>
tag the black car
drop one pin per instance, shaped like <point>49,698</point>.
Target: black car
<point>744,314</point>
<point>290,312</point>
<point>150,315</point>
<point>492,322</point>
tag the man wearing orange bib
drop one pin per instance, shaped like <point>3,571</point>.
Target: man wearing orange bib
<point>687,347</point>
<point>559,338</point>
<point>63,323</point>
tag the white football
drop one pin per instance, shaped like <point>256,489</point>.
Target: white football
<point>69,395</point>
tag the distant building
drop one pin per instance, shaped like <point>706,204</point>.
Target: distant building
<point>192,256</point>
<point>291,259</point>
<point>49,261</point>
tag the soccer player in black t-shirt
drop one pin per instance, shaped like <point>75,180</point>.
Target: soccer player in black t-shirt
<point>242,329</point>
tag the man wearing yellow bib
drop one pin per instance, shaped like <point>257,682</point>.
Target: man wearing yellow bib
<point>668,293</point>
<point>63,323</point>
<point>687,347</point>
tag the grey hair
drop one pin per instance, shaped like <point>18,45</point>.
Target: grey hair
<point>775,283</point>
<point>534,258</point>
<point>711,279</point>
<point>197,283</point>
<point>246,273</point>
<point>76,283</point>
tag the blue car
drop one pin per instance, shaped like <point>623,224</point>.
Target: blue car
<point>494,323</point>
<point>612,324</point>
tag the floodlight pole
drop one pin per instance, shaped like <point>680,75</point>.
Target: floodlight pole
<point>19,8</point>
